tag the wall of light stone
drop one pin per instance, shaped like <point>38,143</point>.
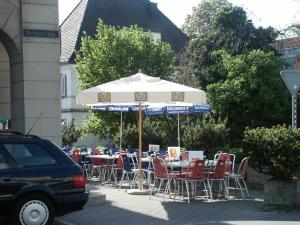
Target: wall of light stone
<point>34,66</point>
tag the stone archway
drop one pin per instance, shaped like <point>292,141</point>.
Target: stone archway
<point>29,66</point>
<point>10,62</point>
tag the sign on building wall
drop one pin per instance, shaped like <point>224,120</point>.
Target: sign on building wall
<point>38,33</point>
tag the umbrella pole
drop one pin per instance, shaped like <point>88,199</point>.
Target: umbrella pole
<point>178,129</point>
<point>121,129</point>
<point>140,147</point>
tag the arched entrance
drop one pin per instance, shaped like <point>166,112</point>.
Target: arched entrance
<point>10,72</point>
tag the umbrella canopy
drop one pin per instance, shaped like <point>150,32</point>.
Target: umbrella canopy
<point>141,88</point>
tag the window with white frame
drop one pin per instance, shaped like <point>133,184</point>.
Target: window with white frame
<point>63,85</point>
<point>156,36</point>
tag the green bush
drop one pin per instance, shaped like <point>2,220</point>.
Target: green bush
<point>70,134</point>
<point>205,134</point>
<point>274,151</point>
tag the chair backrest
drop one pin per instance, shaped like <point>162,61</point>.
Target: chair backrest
<point>219,170</point>
<point>126,162</point>
<point>133,161</point>
<point>96,162</point>
<point>196,170</point>
<point>185,156</point>
<point>76,155</point>
<point>120,163</point>
<point>243,167</point>
<point>160,170</point>
<point>229,162</point>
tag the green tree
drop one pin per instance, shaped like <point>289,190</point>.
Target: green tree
<point>253,93</point>
<point>218,25</point>
<point>117,52</point>
<point>114,53</point>
<point>201,19</point>
<point>70,133</point>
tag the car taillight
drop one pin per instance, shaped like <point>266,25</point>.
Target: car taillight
<point>79,181</point>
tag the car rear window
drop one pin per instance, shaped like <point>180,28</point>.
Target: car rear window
<point>3,162</point>
<point>30,155</point>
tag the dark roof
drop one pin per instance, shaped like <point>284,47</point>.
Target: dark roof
<point>145,14</point>
<point>287,43</point>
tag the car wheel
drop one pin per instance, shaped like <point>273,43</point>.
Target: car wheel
<point>33,210</point>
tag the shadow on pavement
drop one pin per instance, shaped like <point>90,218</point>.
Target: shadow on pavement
<point>179,212</point>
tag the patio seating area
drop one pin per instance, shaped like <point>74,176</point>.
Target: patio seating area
<point>169,175</point>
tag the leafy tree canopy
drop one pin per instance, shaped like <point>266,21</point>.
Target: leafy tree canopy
<point>117,52</point>
<point>253,93</point>
<point>218,25</point>
<point>201,19</point>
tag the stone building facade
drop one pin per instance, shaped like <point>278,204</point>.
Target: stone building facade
<point>29,66</point>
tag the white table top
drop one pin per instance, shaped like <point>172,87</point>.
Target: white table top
<point>103,156</point>
<point>186,164</point>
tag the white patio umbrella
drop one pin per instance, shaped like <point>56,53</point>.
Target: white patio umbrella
<point>141,89</point>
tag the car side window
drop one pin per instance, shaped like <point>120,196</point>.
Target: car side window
<point>3,162</point>
<point>30,155</point>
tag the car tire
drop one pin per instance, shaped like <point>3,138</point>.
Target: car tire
<point>34,209</point>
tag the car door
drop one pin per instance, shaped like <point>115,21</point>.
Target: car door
<point>37,166</point>
<point>9,181</point>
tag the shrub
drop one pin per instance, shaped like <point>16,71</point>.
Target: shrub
<point>70,134</point>
<point>206,133</point>
<point>274,151</point>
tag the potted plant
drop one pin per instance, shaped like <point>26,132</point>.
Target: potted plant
<point>275,151</point>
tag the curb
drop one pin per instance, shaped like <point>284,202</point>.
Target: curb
<point>62,222</point>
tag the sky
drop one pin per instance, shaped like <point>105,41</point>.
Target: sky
<point>276,13</point>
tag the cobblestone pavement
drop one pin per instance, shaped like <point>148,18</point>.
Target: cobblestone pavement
<point>124,209</point>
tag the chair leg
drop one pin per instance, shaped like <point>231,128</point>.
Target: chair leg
<point>160,184</point>
<point>240,187</point>
<point>187,190</point>
<point>226,194</point>
<point>205,189</point>
<point>121,181</point>
<point>210,188</point>
<point>174,180</point>
<point>245,185</point>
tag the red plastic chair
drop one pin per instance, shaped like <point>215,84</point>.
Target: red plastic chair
<point>161,174</point>
<point>119,165</point>
<point>98,165</point>
<point>194,175</point>
<point>229,162</point>
<point>76,155</point>
<point>218,174</point>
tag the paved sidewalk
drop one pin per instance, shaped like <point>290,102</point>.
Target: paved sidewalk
<point>124,209</point>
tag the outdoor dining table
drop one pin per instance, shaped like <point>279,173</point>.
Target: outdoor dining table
<point>109,160</point>
<point>186,164</point>
<point>107,157</point>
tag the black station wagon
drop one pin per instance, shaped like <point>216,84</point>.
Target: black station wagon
<point>38,181</point>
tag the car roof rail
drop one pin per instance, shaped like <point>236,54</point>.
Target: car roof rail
<point>11,132</point>
<point>16,134</point>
